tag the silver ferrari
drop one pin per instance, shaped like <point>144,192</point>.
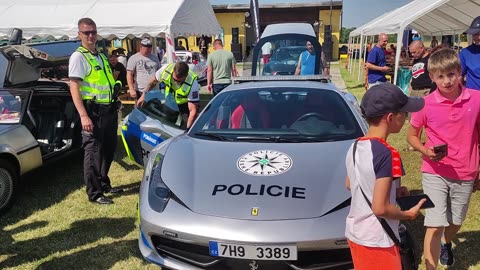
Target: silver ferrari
<point>258,182</point>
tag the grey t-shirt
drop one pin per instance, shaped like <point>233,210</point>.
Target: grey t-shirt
<point>143,68</point>
<point>222,62</point>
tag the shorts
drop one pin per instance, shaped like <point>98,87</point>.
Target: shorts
<point>451,198</point>
<point>375,258</point>
<point>375,83</point>
<point>420,93</point>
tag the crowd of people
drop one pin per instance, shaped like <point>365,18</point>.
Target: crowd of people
<point>444,102</point>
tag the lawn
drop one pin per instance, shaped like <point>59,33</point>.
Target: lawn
<point>53,226</point>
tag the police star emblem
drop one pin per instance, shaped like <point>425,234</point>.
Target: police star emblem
<point>254,211</point>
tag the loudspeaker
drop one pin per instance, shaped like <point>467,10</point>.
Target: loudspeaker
<point>328,33</point>
<point>235,35</point>
<point>237,51</point>
<point>327,49</point>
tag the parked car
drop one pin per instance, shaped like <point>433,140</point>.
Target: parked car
<point>196,62</point>
<point>283,61</point>
<point>257,181</point>
<point>38,120</point>
<point>287,40</point>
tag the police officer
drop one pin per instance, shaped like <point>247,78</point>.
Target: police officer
<point>92,87</point>
<point>180,81</point>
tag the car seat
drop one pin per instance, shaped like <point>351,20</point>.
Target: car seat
<point>50,124</point>
<point>250,113</point>
<point>314,103</point>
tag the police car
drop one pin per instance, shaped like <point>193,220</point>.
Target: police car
<point>257,180</point>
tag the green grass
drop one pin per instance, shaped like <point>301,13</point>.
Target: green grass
<point>53,226</point>
<point>467,249</point>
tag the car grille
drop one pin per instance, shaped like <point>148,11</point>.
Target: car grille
<point>199,256</point>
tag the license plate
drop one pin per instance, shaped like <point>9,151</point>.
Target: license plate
<point>253,252</point>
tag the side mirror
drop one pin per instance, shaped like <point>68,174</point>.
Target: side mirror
<point>152,126</point>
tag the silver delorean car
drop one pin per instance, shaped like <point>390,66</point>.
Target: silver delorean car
<point>257,182</point>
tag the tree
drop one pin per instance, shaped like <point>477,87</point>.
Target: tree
<point>344,33</point>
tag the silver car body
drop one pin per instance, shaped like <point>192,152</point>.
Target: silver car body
<point>212,200</point>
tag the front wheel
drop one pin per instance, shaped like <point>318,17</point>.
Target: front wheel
<point>8,184</point>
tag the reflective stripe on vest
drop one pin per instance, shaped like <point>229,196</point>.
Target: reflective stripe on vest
<point>181,94</point>
<point>98,84</point>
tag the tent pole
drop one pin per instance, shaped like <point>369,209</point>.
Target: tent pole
<point>348,55</point>
<point>459,43</point>
<point>350,65</point>
<point>170,47</point>
<point>397,55</point>
<point>360,50</point>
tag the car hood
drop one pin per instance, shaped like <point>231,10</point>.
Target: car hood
<point>306,180</point>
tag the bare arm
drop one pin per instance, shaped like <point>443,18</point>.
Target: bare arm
<point>374,67</point>
<point>347,182</point>
<point>87,124</point>
<point>193,108</point>
<point>131,89</point>
<point>153,81</point>
<point>115,74</point>
<point>413,138</point>
<point>209,78</point>
<point>234,71</point>
<point>382,207</point>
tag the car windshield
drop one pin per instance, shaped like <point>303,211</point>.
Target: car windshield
<point>290,53</point>
<point>12,104</point>
<point>277,115</point>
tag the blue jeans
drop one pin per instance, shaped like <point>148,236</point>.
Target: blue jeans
<point>217,88</point>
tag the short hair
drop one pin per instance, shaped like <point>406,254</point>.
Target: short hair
<point>375,120</point>
<point>218,41</point>
<point>444,60</point>
<point>86,21</point>
<point>181,69</point>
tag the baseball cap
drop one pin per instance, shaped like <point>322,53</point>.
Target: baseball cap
<point>146,42</point>
<point>387,98</point>
<point>474,27</point>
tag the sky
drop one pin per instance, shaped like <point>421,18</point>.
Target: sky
<point>355,12</point>
<point>358,12</point>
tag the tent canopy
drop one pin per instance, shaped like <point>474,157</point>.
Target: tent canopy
<point>114,18</point>
<point>428,17</point>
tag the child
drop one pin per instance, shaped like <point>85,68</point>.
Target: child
<point>450,116</point>
<point>374,169</point>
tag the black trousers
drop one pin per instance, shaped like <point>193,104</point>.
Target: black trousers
<point>99,148</point>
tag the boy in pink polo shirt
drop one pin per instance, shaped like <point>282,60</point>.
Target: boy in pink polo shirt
<point>450,116</point>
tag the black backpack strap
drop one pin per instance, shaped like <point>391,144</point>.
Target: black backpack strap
<point>383,222</point>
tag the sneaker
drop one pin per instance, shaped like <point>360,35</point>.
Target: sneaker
<point>446,255</point>
<point>103,200</point>
<point>113,190</point>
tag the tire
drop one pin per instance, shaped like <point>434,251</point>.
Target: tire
<point>8,184</point>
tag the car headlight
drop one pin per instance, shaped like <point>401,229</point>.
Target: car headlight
<point>158,194</point>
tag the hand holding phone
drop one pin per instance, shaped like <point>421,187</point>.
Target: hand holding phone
<point>441,149</point>
<point>408,202</point>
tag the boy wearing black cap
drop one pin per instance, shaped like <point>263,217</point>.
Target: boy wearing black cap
<point>374,169</point>
<point>470,57</point>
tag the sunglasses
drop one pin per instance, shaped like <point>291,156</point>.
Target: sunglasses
<point>88,33</point>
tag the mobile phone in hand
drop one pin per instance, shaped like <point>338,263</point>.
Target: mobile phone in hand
<point>441,149</point>
<point>407,202</point>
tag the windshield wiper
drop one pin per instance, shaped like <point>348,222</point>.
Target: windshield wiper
<point>212,135</point>
<point>282,139</point>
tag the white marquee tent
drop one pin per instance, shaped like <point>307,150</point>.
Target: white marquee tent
<point>428,17</point>
<point>114,18</point>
